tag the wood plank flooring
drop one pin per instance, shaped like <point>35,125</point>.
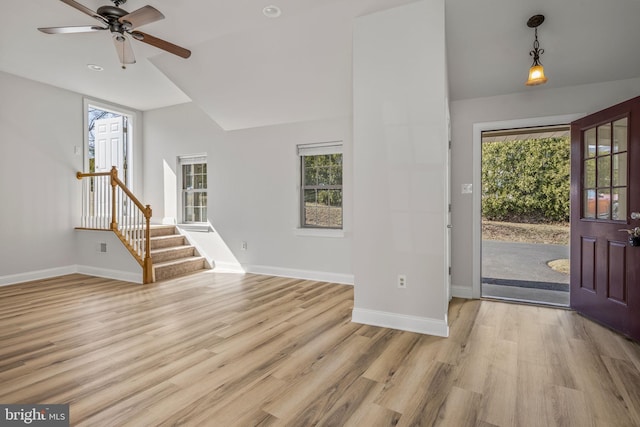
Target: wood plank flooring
<point>246,350</point>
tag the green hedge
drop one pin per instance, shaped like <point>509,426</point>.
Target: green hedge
<point>526,181</point>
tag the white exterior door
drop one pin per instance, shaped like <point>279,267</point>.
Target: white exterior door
<point>110,147</point>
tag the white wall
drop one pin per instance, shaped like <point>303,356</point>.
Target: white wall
<point>252,189</point>
<point>400,154</point>
<point>536,102</point>
<point>115,263</point>
<point>41,126</point>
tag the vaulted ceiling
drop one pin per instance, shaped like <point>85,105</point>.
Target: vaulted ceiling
<point>248,70</point>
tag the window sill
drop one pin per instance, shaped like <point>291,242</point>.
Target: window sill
<point>202,227</point>
<point>319,232</point>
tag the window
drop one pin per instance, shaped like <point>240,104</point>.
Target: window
<point>605,171</point>
<point>321,185</point>
<point>194,188</point>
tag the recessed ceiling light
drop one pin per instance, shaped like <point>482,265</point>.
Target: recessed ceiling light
<point>94,67</point>
<point>272,11</point>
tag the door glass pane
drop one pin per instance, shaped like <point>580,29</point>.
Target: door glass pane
<point>619,208</point>
<point>590,143</point>
<point>590,173</point>
<point>604,202</point>
<point>620,135</point>
<point>589,204</point>
<point>619,169</point>
<point>604,139</point>
<point>604,171</point>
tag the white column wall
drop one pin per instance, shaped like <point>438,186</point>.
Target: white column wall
<point>400,168</point>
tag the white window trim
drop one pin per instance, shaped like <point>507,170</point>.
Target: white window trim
<point>319,232</point>
<point>314,149</point>
<point>190,159</point>
<point>320,148</point>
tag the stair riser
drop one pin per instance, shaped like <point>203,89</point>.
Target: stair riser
<point>163,273</point>
<point>173,254</point>
<point>167,242</point>
<point>162,231</point>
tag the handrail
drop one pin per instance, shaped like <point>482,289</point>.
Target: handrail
<point>115,210</point>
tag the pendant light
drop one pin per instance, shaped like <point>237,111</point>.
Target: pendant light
<point>536,72</point>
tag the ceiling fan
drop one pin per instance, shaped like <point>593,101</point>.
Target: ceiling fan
<point>121,23</point>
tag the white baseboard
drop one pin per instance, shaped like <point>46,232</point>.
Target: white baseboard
<point>465,292</point>
<point>70,269</point>
<point>37,275</point>
<point>226,267</point>
<point>402,322</point>
<point>125,276</point>
<point>322,276</point>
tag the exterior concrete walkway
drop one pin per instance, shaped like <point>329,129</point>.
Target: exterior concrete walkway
<point>519,271</point>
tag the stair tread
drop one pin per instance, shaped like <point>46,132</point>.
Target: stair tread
<point>177,261</point>
<point>168,236</point>
<point>170,248</point>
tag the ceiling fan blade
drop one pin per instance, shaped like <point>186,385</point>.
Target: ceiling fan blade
<point>68,30</point>
<point>86,10</point>
<point>137,18</point>
<point>123,47</point>
<point>161,44</point>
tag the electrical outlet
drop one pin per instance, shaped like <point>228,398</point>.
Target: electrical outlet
<point>244,246</point>
<point>402,281</point>
<point>102,247</point>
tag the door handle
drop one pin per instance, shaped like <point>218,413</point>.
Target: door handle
<point>635,215</point>
<point>449,226</point>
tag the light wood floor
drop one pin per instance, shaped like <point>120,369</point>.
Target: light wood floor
<point>230,350</point>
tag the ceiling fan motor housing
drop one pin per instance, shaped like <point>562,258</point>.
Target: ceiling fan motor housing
<point>113,14</point>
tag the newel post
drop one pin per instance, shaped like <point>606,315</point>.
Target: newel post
<point>147,275</point>
<point>114,177</point>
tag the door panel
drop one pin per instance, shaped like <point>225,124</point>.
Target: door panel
<point>109,145</point>
<point>605,189</point>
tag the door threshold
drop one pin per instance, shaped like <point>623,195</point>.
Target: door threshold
<point>526,302</point>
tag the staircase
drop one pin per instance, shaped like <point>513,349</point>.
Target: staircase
<point>172,255</point>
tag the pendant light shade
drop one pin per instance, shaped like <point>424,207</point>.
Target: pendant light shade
<point>536,72</point>
<point>536,76</point>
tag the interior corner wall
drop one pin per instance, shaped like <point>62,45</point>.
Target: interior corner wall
<point>400,168</point>
<point>40,127</point>
<point>535,102</point>
<point>253,189</point>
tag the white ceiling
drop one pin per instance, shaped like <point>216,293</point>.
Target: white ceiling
<point>248,70</point>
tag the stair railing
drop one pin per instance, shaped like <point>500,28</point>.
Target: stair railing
<point>109,205</point>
